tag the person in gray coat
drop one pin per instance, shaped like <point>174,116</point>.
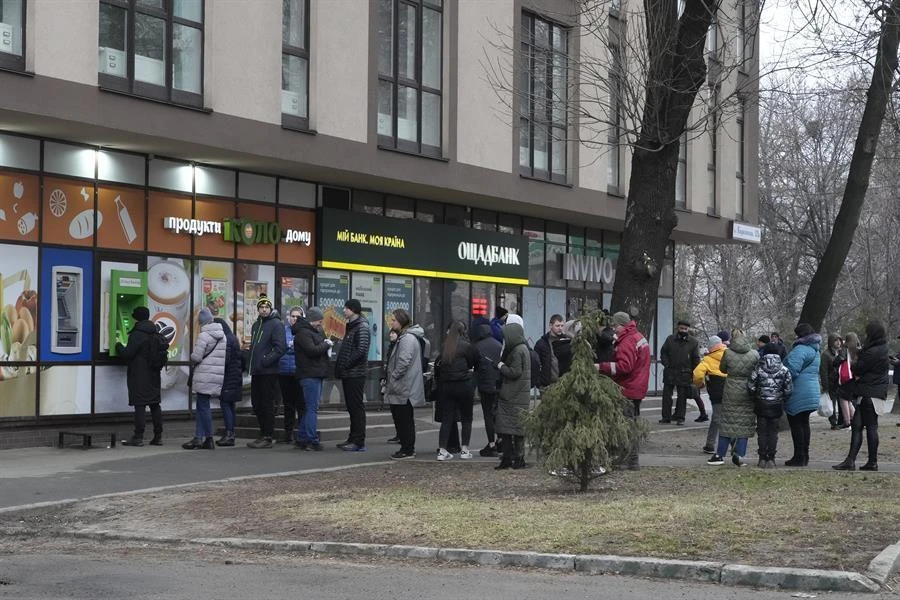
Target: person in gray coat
<point>404,386</point>
<point>208,363</point>
<point>515,395</point>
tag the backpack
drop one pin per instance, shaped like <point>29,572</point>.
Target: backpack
<point>159,351</point>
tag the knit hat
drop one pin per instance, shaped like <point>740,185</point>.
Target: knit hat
<point>205,316</point>
<point>621,318</point>
<point>713,342</point>
<point>314,314</point>
<point>724,336</point>
<point>263,301</point>
<point>771,348</point>
<point>354,305</point>
<point>141,313</point>
<point>803,330</point>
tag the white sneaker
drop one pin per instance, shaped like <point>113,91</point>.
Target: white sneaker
<point>444,455</point>
<point>465,454</point>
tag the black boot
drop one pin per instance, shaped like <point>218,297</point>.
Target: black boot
<point>869,466</point>
<point>505,463</point>
<point>208,444</point>
<point>157,439</point>
<point>794,461</point>
<point>133,441</point>
<point>193,444</point>
<point>847,465</point>
<point>519,463</point>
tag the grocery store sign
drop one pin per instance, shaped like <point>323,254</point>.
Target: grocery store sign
<point>244,231</point>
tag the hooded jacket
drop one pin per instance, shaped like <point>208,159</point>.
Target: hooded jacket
<point>287,364</point>
<point>803,360</point>
<point>828,375</point>
<point>771,384</point>
<point>707,374</point>
<point>267,345</point>
<point>353,357</point>
<point>487,374</point>
<point>630,367</point>
<point>515,393</point>
<point>143,380</point>
<point>209,357</point>
<point>310,350</point>
<point>738,417</point>
<point>404,379</point>
<point>871,369</point>
<point>233,382</point>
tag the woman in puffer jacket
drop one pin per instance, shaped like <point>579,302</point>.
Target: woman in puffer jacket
<point>738,421</point>
<point>208,360</point>
<point>803,362</point>
<point>233,384</point>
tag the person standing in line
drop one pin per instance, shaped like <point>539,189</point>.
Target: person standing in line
<point>392,343</point>
<point>497,323</point>
<point>828,377</point>
<point>803,361</point>
<point>208,362</point>
<point>488,379</point>
<point>350,367</point>
<point>291,394</point>
<point>515,396</point>
<point>555,351</point>
<point>845,389</point>
<point>232,384</point>
<point>630,368</point>
<point>680,354</point>
<point>771,385</point>
<point>870,381</point>
<point>775,337</point>
<point>405,382</point>
<point>144,389</point>
<point>266,348</point>
<point>311,356</point>
<point>459,359</point>
<point>708,375</point>
<point>737,423</point>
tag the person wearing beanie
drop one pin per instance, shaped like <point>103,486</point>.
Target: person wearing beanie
<point>143,380</point>
<point>208,360</point>
<point>311,349</point>
<point>350,367</point>
<point>267,346</point>
<point>630,368</point>
<point>771,385</point>
<point>724,336</point>
<point>804,362</point>
<point>291,394</point>
<point>708,374</point>
<point>497,323</point>
<point>679,355</point>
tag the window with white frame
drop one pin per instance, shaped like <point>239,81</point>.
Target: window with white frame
<point>295,64</point>
<point>12,34</point>
<point>713,166</point>
<point>712,39</point>
<point>681,173</point>
<point>543,111</point>
<point>153,48</point>
<point>410,75</point>
<point>614,135</point>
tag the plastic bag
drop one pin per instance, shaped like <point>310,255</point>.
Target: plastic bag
<point>882,406</point>
<point>826,406</point>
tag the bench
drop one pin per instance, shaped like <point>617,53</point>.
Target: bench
<point>86,437</point>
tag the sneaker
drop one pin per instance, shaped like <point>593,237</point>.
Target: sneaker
<point>301,445</point>
<point>761,464</point>
<point>444,455</point>
<point>701,419</point>
<point>394,440</point>
<point>738,460</point>
<point>489,451</point>
<point>316,447</point>
<point>133,441</point>
<point>353,448</point>
<point>342,444</point>
<point>263,442</point>
<point>708,450</point>
<point>715,459</point>
<point>401,455</point>
<point>465,454</point>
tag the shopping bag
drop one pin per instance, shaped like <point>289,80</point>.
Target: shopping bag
<point>826,406</point>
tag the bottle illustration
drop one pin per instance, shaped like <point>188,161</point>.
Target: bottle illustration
<point>125,220</point>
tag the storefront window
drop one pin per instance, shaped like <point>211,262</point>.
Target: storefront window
<point>484,219</point>
<point>428,311</point>
<point>459,301</point>
<point>611,247</point>
<point>456,215</point>
<point>594,247</point>
<point>399,207</point>
<point>483,299</point>
<point>428,211</point>
<point>511,224</point>
<point>534,231</point>
<point>368,202</point>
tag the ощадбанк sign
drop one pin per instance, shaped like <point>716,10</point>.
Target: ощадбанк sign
<point>363,242</point>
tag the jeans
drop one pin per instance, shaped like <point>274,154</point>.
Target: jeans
<point>488,406</point>
<point>292,399</point>
<point>263,391</point>
<point>456,395</point>
<point>712,434</point>
<point>864,417</point>
<point>203,428</point>
<point>683,392</point>
<point>404,421</point>
<point>800,433</point>
<point>140,419</point>
<point>229,414</point>
<point>312,395</point>
<point>353,397</point>
<point>767,430</point>
<point>740,446</point>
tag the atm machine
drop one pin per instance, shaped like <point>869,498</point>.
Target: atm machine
<point>66,312</point>
<point>128,290</point>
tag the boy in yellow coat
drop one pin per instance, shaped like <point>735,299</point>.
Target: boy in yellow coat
<point>708,375</point>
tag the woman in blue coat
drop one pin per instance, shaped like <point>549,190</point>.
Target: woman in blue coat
<point>803,362</point>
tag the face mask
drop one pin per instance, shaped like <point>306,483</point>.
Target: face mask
<point>682,334</point>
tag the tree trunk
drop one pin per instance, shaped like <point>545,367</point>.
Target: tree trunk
<point>821,288</point>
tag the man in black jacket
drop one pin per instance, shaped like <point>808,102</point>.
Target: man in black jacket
<point>555,351</point>
<point>267,346</point>
<point>350,367</point>
<point>143,379</point>
<point>679,355</point>
<point>311,355</point>
<point>488,379</point>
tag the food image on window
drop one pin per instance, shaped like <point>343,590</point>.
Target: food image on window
<point>334,324</point>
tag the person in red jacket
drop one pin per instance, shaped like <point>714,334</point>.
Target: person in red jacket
<point>630,368</point>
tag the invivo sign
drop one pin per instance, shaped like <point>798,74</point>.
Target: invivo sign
<point>593,269</point>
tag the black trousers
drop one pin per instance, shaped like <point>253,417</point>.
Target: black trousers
<point>263,392</point>
<point>405,423</point>
<point>488,407</point>
<point>140,419</point>
<point>292,399</point>
<point>456,396</point>
<point>864,417</point>
<point>683,392</point>
<point>800,433</point>
<point>633,412</point>
<point>353,398</point>
<point>767,430</point>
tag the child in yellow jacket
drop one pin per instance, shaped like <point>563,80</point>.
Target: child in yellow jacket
<point>708,375</point>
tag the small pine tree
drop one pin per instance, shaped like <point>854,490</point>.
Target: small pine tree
<point>580,424</point>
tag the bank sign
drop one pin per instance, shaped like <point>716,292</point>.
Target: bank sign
<point>362,242</point>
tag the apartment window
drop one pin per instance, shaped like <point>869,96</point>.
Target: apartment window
<point>740,39</point>
<point>712,39</point>
<point>295,64</point>
<point>681,173</point>
<point>713,166</point>
<point>153,48</point>
<point>12,34</point>
<point>739,176</point>
<point>410,71</point>
<point>543,121</point>
<point>614,136</point>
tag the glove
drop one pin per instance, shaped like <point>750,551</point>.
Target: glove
<point>499,365</point>
<point>329,341</point>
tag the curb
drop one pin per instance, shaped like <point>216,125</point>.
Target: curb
<point>700,571</point>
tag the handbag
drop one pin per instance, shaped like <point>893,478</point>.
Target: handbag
<point>190,381</point>
<point>845,373</point>
<point>882,406</point>
<point>826,406</point>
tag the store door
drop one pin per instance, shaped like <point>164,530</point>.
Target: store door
<point>510,298</point>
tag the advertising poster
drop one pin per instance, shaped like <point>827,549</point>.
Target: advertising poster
<point>255,275</point>
<point>19,206</point>
<point>398,293</point>
<point>66,307</point>
<point>111,390</point>
<point>122,209</point>
<point>332,290</point>
<point>213,289</point>
<point>253,291</point>
<point>367,289</point>
<point>169,300</point>
<point>69,213</point>
<point>294,292</point>
<point>65,390</point>
<point>18,329</point>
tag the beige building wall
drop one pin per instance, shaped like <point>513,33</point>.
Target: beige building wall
<point>61,38</point>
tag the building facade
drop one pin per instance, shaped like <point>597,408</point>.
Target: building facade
<point>367,151</point>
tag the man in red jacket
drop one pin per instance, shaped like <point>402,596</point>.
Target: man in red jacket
<point>630,368</point>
